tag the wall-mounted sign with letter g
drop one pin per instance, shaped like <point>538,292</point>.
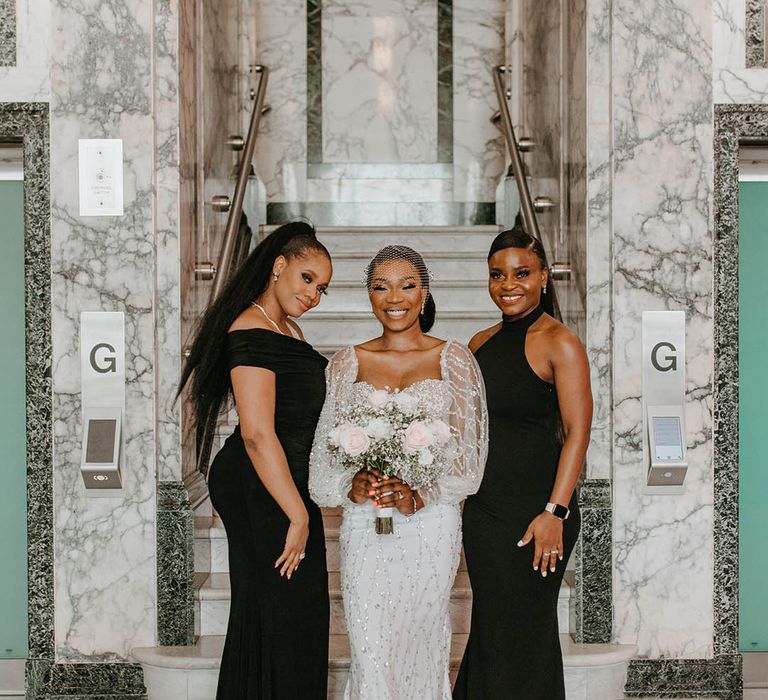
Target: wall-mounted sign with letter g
<point>664,439</point>
<point>102,366</point>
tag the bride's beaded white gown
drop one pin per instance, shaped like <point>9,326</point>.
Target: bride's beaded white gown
<point>396,588</point>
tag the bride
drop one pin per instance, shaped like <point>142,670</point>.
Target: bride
<point>396,587</point>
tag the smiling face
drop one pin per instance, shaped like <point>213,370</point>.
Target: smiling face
<point>302,279</point>
<point>397,294</point>
<point>515,280</point>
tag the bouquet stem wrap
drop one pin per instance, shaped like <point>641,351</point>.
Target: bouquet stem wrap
<point>384,523</point>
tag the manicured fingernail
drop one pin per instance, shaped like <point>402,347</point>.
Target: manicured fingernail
<point>520,543</point>
<point>544,573</point>
<point>560,558</point>
<point>535,568</point>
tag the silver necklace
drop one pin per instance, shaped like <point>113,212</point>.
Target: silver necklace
<point>266,315</point>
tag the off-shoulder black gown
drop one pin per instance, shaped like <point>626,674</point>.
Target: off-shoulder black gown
<point>513,652</point>
<point>277,638</point>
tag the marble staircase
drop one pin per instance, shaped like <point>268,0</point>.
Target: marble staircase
<point>456,256</point>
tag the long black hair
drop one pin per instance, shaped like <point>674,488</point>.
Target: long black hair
<point>409,255</point>
<point>206,365</point>
<point>518,237</point>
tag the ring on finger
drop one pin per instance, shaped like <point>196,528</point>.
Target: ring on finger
<point>545,554</point>
<point>400,495</point>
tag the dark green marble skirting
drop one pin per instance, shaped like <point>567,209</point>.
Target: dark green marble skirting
<point>685,678</point>
<point>7,32</point>
<point>594,588</point>
<point>85,681</point>
<point>175,565</point>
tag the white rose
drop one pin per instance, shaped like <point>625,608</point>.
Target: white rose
<point>440,430</point>
<point>378,398</point>
<point>378,428</point>
<point>333,436</point>
<point>352,439</point>
<point>417,436</point>
<point>426,457</point>
<point>405,402</point>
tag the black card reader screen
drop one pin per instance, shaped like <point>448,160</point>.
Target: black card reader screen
<point>100,448</point>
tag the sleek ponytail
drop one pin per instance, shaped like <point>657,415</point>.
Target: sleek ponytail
<point>206,369</point>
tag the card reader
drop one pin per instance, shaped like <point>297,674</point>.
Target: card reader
<point>666,439</point>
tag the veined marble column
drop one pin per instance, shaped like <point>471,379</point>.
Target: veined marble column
<point>101,58</point>
<point>662,253</point>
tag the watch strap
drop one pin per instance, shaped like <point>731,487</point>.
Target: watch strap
<point>557,510</point>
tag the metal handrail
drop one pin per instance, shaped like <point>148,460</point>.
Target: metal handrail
<point>205,433</point>
<point>526,203</point>
<point>228,244</point>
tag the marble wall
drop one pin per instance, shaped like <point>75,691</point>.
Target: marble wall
<point>381,85</point>
<point>104,549</point>
<point>478,146</point>
<point>599,263</point>
<point>379,69</point>
<point>662,258</point>
<point>734,82</point>
<point>24,64</point>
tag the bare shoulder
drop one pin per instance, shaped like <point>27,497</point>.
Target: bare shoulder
<point>566,345</point>
<point>295,327</point>
<point>482,337</point>
<point>248,319</point>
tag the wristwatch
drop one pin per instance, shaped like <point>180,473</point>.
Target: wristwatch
<point>557,510</point>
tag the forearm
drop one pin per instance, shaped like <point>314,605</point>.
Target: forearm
<point>268,459</point>
<point>569,468</point>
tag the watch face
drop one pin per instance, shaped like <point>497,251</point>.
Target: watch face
<point>560,511</point>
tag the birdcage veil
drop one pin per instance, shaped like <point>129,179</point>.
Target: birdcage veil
<point>409,255</point>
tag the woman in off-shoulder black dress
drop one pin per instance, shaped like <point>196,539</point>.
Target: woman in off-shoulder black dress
<point>522,524</point>
<point>277,638</point>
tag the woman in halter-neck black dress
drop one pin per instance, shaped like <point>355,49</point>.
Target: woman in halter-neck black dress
<point>277,638</point>
<point>513,651</point>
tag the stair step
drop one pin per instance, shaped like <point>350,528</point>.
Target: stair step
<point>214,595</point>
<point>592,671</point>
<point>351,329</point>
<point>448,266</point>
<point>427,240</point>
<point>351,298</point>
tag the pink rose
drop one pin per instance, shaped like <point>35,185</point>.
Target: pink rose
<point>417,436</point>
<point>352,439</point>
<point>441,430</point>
<point>378,398</point>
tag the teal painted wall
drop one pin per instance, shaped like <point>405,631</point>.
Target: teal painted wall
<point>13,488</point>
<point>753,415</point>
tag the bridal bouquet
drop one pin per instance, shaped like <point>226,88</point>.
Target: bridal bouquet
<point>389,431</point>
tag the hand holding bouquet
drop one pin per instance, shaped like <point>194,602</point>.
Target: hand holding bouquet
<point>391,432</point>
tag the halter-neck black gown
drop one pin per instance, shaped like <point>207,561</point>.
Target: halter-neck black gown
<point>513,652</point>
<point>277,638</point>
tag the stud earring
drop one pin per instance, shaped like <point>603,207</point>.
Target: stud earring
<point>543,290</point>
<point>275,277</point>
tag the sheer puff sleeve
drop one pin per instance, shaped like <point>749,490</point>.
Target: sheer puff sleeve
<point>328,483</point>
<point>468,420</point>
